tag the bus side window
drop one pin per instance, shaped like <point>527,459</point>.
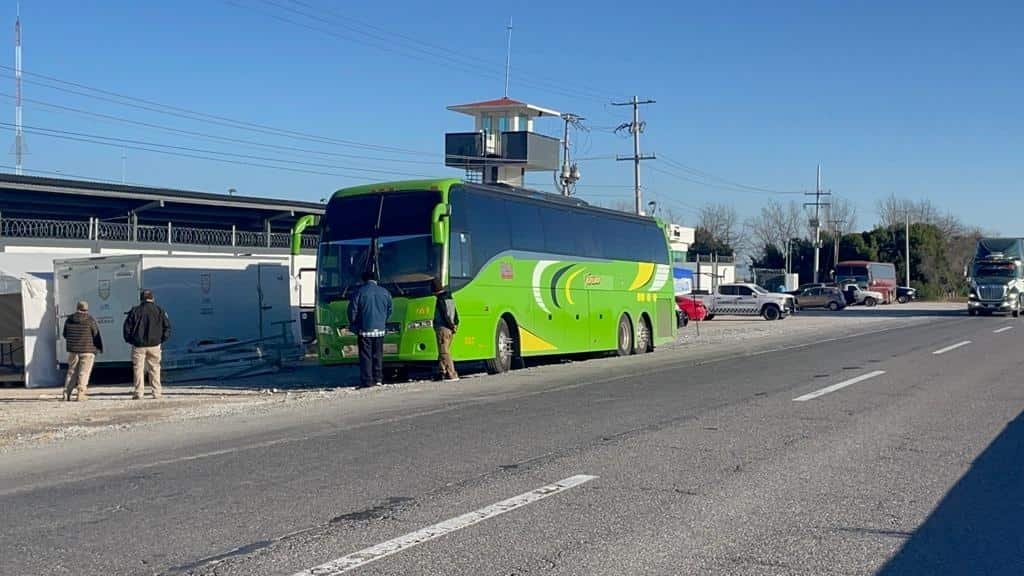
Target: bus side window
<point>461,255</point>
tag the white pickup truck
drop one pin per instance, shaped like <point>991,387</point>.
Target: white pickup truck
<point>856,295</point>
<point>743,299</point>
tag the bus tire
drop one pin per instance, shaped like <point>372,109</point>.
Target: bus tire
<point>771,312</point>
<point>644,336</point>
<point>504,349</point>
<point>625,336</point>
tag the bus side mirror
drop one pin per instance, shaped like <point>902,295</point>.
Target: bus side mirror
<point>439,218</point>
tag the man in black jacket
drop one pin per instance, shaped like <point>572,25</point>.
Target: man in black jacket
<point>146,328</point>
<point>82,340</point>
<point>368,313</point>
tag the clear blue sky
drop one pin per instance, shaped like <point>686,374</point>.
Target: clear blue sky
<point>917,98</point>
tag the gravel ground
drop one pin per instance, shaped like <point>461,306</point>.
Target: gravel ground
<point>33,416</point>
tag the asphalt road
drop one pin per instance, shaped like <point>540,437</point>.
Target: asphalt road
<point>893,460</point>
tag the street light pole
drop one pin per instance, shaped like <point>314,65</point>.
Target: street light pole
<point>907,250</point>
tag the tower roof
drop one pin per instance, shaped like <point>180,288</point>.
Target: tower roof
<point>505,104</point>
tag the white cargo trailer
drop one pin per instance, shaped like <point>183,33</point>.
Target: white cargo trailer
<point>214,303</point>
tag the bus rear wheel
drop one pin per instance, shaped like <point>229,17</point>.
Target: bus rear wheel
<point>625,337</point>
<point>504,349</point>
<point>644,337</point>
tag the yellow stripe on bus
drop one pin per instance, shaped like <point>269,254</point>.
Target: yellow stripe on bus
<point>645,270</point>
<point>568,284</point>
<point>530,342</point>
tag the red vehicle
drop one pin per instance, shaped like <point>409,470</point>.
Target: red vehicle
<point>690,308</point>
<point>876,276</point>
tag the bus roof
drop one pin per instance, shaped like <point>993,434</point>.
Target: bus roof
<point>443,184</point>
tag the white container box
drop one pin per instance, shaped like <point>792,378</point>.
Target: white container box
<point>209,299</point>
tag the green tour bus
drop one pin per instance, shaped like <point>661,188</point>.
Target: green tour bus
<point>531,273</point>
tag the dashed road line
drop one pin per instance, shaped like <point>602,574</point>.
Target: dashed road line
<point>1001,330</point>
<point>374,553</point>
<point>839,386</point>
<point>952,347</point>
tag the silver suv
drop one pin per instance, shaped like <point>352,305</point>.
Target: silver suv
<point>820,297</point>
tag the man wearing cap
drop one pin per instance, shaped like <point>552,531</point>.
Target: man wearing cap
<point>146,328</point>
<point>82,340</point>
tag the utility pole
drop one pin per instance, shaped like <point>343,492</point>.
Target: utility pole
<point>570,173</point>
<point>19,136</point>
<point>816,221</point>
<point>835,236</point>
<point>508,54</point>
<point>635,128</point>
<point>907,250</point>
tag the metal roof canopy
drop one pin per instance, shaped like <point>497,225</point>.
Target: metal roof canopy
<point>503,105</point>
<point>55,198</point>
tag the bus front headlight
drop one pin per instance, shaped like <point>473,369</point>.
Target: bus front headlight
<point>417,324</point>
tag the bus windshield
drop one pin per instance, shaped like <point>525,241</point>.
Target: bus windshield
<point>385,233</point>
<point>858,274</point>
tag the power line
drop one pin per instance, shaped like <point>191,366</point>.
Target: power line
<point>349,22</point>
<point>388,44</point>
<point>707,175</point>
<point>170,110</point>
<point>200,154</point>
<point>713,185</point>
<point>214,137</point>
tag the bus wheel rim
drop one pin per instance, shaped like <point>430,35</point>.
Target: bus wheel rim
<point>505,344</point>
<point>643,338</point>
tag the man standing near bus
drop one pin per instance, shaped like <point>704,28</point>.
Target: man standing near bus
<point>368,313</point>
<point>146,328</point>
<point>83,341</point>
<point>446,323</point>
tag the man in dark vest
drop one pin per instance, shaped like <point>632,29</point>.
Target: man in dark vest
<point>368,313</point>
<point>82,340</point>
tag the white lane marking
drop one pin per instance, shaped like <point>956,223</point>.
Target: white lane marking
<point>374,553</point>
<point>1003,329</point>
<point>953,347</point>
<point>838,386</point>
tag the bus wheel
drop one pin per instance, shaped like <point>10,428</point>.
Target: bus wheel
<point>644,337</point>
<point>625,338</point>
<point>504,347</point>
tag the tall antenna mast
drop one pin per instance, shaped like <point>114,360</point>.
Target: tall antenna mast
<point>508,54</point>
<point>19,137</point>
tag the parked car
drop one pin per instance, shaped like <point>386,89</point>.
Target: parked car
<point>805,287</point>
<point>744,299</point>
<point>905,294</point>
<point>821,297</point>
<point>690,308</point>
<point>856,295</point>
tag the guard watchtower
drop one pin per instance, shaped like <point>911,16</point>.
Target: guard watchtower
<point>503,145</point>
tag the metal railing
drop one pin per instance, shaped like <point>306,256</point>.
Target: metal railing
<point>38,228</point>
<point>99,231</point>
